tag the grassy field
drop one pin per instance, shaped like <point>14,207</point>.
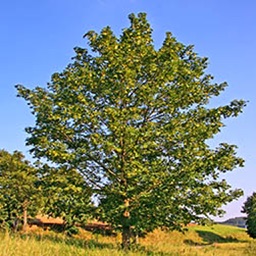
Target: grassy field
<point>198,240</point>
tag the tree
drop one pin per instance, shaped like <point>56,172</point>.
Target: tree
<point>135,122</point>
<point>19,194</point>
<point>250,209</point>
<point>66,196</point>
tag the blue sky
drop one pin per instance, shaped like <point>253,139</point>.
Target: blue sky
<point>37,39</point>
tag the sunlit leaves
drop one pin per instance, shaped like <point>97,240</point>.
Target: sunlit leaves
<point>18,187</point>
<point>65,195</point>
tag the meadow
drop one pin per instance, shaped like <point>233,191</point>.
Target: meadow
<point>198,240</point>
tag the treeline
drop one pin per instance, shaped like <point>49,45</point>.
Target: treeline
<point>237,221</point>
<point>28,189</point>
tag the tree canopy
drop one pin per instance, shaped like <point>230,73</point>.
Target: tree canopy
<point>19,194</point>
<point>66,196</point>
<point>135,122</point>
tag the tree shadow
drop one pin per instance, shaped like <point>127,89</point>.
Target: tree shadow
<point>79,243</point>
<point>93,244</point>
<point>193,243</point>
<point>137,248</point>
<point>211,238</point>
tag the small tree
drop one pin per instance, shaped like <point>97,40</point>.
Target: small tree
<point>134,121</point>
<point>19,195</point>
<point>66,195</point>
<point>250,209</point>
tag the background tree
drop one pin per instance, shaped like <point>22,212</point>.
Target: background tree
<point>135,121</point>
<point>19,195</point>
<point>250,209</point>
<point>66,196</point>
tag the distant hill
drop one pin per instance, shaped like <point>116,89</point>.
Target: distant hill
<point>237,221</point>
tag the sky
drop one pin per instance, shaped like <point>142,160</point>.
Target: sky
<point>37,39</point>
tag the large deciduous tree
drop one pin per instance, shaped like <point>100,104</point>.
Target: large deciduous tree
<point>135,121</point>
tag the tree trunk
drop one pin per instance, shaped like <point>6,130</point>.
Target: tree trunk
<point>126,232</point>
<point>15,225</point>
<point>25,216</point>
<point>126,237</point>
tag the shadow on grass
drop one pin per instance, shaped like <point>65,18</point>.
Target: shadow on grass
<point>142,249</point>
<point>79,243</point>
<point>210,238</point>
<point>92,244</point>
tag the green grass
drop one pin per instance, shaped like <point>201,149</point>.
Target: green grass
<point>197,241</point>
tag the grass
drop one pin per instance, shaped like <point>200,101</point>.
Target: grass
<point>197,241</point>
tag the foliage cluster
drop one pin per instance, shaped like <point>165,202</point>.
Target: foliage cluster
<point>66,195</point>
<point>27,190</point>
<point>250,209</point>
<point>18,189</point>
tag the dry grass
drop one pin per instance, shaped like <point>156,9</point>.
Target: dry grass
<point>199,240</point>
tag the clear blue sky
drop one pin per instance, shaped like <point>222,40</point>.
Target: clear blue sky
<point>37,39</point>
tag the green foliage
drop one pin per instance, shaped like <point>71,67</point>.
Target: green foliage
<point>18,188</point>
<point>135,121</point>
<point>250,209</point>
<point>66,196</point>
